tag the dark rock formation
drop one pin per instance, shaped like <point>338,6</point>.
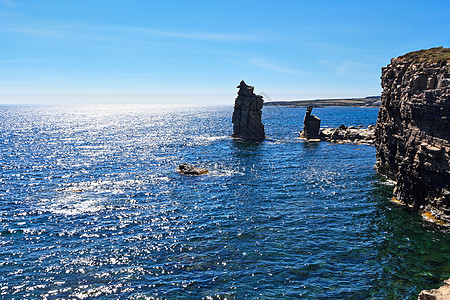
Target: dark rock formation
<point>413,130</point>
<point>442,293</point>
<point>344,134</point>
<point>311,125</point>
<point>247,114</point>
<point>188,169</point>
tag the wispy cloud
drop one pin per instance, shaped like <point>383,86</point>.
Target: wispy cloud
<point>89,31</point>
<point>271,65</point>
<point>348,67</point>
<point>207,36</point>
<point>9,3</point>
<point>45,33</point>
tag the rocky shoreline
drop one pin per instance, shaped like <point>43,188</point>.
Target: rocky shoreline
<point>352,134</point>
<point>313,133</point>
<point>442,293</point>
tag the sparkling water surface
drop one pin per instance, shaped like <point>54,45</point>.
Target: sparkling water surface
<point>92,207</point>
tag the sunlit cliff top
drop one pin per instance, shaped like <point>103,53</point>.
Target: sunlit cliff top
<point>432,55</point>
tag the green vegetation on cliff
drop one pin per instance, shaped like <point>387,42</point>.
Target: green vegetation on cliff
<point>432,55</point>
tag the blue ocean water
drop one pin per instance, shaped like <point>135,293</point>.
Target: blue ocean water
<point>91,206</point>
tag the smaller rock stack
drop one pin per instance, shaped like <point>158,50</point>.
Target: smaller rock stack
<point>311,125</point>
<point>247,114</point>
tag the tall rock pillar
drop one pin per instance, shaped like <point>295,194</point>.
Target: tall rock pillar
<point>247,114</point>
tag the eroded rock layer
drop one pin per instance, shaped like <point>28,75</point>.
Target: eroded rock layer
<point>413,129</point>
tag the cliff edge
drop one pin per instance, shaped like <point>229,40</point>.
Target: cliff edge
<point>412,135</point>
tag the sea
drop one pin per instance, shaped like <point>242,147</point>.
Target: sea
<point>92,207</point>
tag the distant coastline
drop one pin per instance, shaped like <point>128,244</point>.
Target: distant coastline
<point>371,101</point>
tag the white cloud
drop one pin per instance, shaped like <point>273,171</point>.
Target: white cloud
<point>208,36</point>
<point>9,3</point>
<point>89,31</point>
<point>271,65</point>
<point>348,67</point>
<point>45,33</point>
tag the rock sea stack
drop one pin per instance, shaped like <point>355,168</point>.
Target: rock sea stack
<point>247,114</point>
<point>311,125</point>
<point>413,130</point>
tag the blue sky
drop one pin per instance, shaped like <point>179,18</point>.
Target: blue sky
<point>196,52</point>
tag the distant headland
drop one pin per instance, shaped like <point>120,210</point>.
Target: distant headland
<point>371,101</point>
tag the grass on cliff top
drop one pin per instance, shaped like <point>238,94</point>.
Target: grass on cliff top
<point>437,54</point>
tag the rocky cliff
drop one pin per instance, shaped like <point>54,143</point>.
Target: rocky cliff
<point>442,293</point>
<point>413,130</point>
<point>247,114</point>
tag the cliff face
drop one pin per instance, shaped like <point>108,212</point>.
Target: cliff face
<point>413,129</point>
<point>247,114</point>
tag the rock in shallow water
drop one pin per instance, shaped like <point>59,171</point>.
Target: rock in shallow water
<point>188,169</point>
<point>344,134</point>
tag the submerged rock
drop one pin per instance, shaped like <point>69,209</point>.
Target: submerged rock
<point>344,134</point>
<point>247,114</point>
<point>413,130</point>
<point>311,125</point>
<point>188,169</point>
<point>442,293</point>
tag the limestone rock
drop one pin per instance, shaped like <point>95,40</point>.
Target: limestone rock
<point>311,125</point>
<point>442,293</point>
<point>413,129</point>
<point>188,169</point>
<point>247,114</point>
<point>344,134</point>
